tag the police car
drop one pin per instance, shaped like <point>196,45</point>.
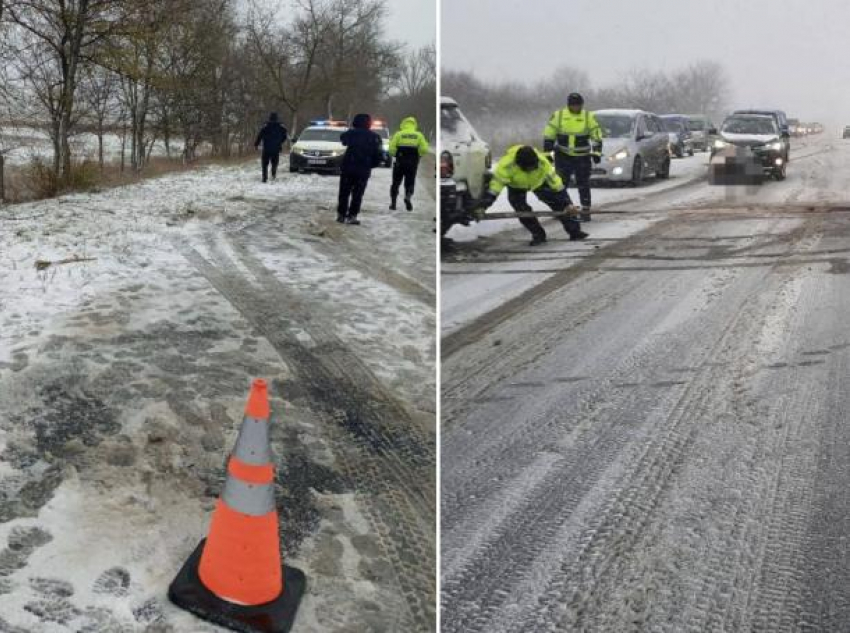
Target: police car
<point>318,147</point>
<point>380,128</point>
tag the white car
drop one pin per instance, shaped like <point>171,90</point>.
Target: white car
<point>634,146</point>
<point>465,162</point>
<point>318,148</point>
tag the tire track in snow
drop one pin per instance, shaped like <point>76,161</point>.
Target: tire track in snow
<point>378,444</point>
<point>504,603</point>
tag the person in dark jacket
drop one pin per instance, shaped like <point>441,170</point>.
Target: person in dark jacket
<point>272,135</point>
<point>363,151</point>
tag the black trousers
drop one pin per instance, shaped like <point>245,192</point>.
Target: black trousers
<point>351,190</point>
<point>555,200</point>
<point>404,170</point>
<point>578,166</point>
<point>272,158</point>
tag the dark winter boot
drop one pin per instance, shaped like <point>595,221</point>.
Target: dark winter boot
<point>578,236</point>
<point>537,239</point>
<point>340,218</point>
<point>352,220</point>
<point>585,214</point>
<point>393,201</point>
<point>408,204</point>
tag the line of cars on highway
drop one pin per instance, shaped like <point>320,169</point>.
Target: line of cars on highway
<point>748,147</point>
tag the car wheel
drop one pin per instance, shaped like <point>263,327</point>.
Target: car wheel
<point>780,173</point>
<point>637,172</point>
<point>664,172</point>
<point>691,151</point>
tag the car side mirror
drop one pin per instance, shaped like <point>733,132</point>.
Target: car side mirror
<point>712,131</point>
<point>786,134</point>
<point>294,139</point>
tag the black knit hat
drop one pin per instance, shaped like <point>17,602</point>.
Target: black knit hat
<point>526,158</point>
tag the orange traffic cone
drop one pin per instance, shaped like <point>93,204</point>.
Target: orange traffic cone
<point>234,577</point>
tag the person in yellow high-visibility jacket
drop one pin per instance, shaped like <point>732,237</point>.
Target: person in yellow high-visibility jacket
<point>576,139</point>
<point>523,169</point>
<point>407,146</point>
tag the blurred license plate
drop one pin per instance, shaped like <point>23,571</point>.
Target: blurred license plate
<point>317,161</point>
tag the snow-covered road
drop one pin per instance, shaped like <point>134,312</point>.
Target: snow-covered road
<point>651,435</point>
<point>123,379</point>
<point>491,263</point>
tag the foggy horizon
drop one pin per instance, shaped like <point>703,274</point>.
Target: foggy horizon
<point>777,54</point>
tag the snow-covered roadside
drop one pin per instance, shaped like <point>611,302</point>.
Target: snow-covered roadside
<point>122,381</point>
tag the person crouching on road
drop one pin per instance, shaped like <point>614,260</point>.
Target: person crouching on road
<point>576,138</point>
<point>407,146</point>
<point>272,135</point>
<point>363,151</point>
<point>523,169</point>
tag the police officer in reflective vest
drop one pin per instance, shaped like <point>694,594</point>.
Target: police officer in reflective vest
<point>576,139</point>
<point>523,169</point>
<point>407,146</point>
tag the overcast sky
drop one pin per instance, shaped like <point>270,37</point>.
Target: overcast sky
<point>412,21</point>
<point>789,54</point>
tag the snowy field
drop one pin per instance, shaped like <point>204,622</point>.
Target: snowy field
<point>124,372</point>
<point>23,144</point>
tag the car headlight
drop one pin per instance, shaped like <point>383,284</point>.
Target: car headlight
<point>297,150</point>
<point>720,143</point>
<point>620,155</point>
<point>775,146</point>
<point>337,152</point>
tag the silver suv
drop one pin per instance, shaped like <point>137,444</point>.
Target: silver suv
<point>635,146</point>
<point>465,162</point>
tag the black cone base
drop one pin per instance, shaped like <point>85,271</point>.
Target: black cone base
<point>188,592</point>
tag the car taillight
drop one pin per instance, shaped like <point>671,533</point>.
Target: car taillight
<point>447,165</point>
<point>488,161</point>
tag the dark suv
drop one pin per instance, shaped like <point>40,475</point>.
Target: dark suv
<point>781,124</point>
<point>749,145</point>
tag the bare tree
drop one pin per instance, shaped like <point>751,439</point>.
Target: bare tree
<point>355,59</point>
<point>417,71</point>
<point>702,87</point>
<point>56,36</point>
<point>414,91</point>
<point>99,89</point>
<point>288,56</point>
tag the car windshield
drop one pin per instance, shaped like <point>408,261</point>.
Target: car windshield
<point>453,126</point>
<point>321,134</point>
<point>615,125</point>
<point>749,125</point>
<point>696,125</point>
<point>672,125</point>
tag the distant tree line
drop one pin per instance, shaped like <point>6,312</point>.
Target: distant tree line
<point>511,111</point>
<point>193,73</point>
